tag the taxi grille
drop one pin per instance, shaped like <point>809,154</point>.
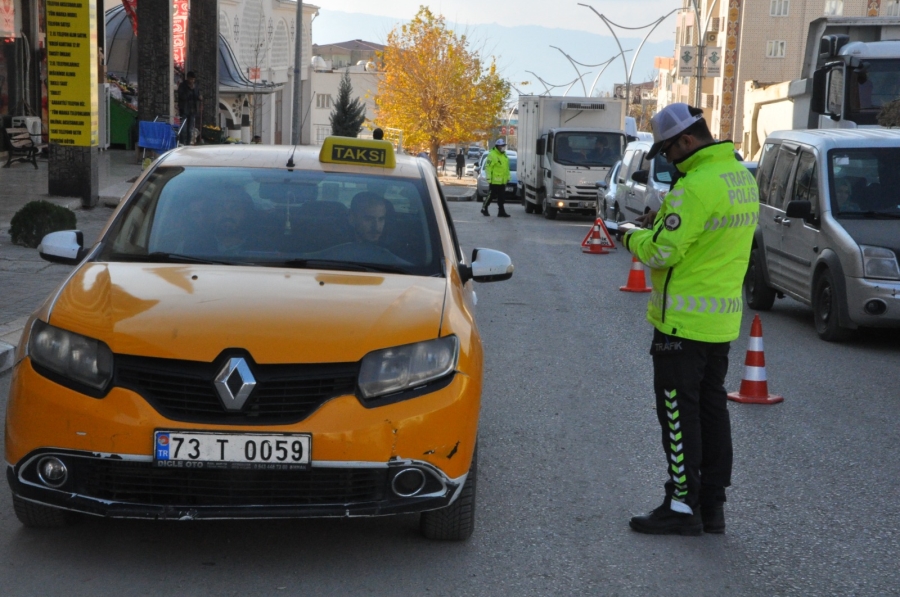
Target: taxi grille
<point>142,483</point>
<point>184,391</point>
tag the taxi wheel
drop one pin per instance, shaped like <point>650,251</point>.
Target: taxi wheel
<point>457,521</point>
<point>757,294</point>
<point>825,310</point>
<point>36,516</point>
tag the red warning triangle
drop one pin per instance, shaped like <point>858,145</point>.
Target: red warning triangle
<point>598,239</point>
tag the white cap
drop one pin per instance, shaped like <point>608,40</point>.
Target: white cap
<point>500,141</point>
<point>669,122</point>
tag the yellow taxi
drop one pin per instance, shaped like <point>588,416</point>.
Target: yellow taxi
<point>260,332</point>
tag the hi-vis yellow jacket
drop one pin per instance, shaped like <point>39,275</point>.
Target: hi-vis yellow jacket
<point>496,167</point>
<point>699,246</point>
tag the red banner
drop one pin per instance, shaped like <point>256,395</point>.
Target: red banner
<point>131,10</point>
<point>179,32</point>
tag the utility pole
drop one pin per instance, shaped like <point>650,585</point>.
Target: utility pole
<point>296,112</point>
<point>701,45</point>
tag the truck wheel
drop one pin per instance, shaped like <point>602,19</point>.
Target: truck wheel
<point>36,516</point>
<point>457,521</point>
<point>757,294</point>
<point>549,212</point>
<point>825,310</point>
<point>529,206</point>
<point>539,207</point>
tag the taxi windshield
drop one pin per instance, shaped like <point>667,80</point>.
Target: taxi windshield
<point>252,216</point>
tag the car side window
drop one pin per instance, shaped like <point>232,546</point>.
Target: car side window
<point>453,237</point>
<point>766,166</point>
<point>783,166</point>
<point>806,184</point>
<point>635,164</point>
<point>626,164</point>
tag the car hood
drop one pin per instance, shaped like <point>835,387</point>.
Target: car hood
<point>279,315</point>
<point>876,233</point>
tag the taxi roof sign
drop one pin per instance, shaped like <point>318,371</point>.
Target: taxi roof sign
<point>357,152</point>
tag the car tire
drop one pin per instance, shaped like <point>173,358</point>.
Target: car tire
<point>455,522</point>
<point>758,294</point>
<point>825,309</point>
<point>549,212</point>
<point>529,207</point>
<point>36,516</point>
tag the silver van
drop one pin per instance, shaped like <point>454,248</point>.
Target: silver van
<point>641,183</point>
<point>829,227</point>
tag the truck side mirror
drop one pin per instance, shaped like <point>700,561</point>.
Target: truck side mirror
<point>641,176</point>
<point>835,101</point>
<point>819,91</point>
<point>539,149</point>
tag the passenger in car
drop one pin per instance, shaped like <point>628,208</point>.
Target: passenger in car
<point>230,226</point>
<point>368,214</point>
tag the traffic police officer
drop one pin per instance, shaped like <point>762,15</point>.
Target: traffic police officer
<point>697,250</point>
<point>496,171</point>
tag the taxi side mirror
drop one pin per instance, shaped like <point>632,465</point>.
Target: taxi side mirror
<point>487,266</point>
<point>66,246</point>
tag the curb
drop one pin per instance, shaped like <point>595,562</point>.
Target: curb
<point>7,354</point>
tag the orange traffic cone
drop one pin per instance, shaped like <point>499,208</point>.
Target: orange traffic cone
<point>597,239</point>
<point>637,281</point>
<point>754,387</point>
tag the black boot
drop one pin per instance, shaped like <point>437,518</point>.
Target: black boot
<point>502,214</point>
<point>665,521</point>
<point>485,212</point>
<point>713,516</point>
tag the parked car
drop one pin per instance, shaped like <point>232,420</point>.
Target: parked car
<point>261,331</point>
<point>512,188</point>
<point>606,190</point>
<point>640,183</point>
<point>829,227</point>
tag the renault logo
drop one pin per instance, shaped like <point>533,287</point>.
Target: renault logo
<point>234,383</point>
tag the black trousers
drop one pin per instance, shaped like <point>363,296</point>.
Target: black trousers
<point>459,170</point>
<point>691,404</point>
<point>498,192</point>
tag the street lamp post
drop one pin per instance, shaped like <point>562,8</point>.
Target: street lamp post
<point>630,70</point>
<point>298,57</point>
<point>604,64</point>
<point>701,45</point>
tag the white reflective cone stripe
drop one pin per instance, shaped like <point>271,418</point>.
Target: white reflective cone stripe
<point>756,344</point>
<point>754,373</point>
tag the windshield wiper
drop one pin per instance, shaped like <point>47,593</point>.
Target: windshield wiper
<point>340,265</point>
<point>163,257</point>
<point>880,214</point>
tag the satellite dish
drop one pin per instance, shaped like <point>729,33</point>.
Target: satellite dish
<point>319,64</point>
<point>370,67</point>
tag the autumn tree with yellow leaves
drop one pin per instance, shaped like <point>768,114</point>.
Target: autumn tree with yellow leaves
<point>436,89</point>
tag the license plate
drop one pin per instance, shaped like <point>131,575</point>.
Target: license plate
<point>261,451</point>
<point>510,189</point>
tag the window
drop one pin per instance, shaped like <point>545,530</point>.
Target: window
<point>834,8</point>
<point>779,8</point>
<point>775,49</point>
<point>688,36</point>
<point>806,185</point>
<point>323,100</point>
<point>786,158</point>
<point>321,133</point>
<point>767,165</point>
<point>716,24</point>
<point>892,9</point>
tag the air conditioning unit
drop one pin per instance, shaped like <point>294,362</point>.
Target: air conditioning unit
<point>583,106</point>
<point>32,123</point>
<point>711,37</point>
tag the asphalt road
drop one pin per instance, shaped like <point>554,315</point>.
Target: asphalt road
<point>569,450</point>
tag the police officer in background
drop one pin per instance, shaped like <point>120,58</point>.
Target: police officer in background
<point>496,171</point>
<point>697,248</point>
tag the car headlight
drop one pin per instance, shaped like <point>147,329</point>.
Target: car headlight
<point>403,367</point>
<point>880,263</point>
<point>559,187</point>
<point>73,356</point>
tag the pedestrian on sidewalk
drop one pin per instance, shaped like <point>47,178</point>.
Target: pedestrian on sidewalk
<point>460,164</point>
<point>189,99</point>
<point>695,308</point>
<point>496,169</point>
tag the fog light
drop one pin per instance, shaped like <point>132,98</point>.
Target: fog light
<point>408,482</point>
<point>560,204</point>
<point>52,471</point>
<point>876,307</point>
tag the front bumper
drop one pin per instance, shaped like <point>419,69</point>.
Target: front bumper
<point>578,205</point>
<point>862,290</point>
<point>128,486</point>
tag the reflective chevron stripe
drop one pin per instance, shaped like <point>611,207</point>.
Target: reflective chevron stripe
<point>676,453</point>
<point>732,221</point>
<point>698,304</point>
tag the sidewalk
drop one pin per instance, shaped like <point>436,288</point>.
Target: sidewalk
<point>26,279</point>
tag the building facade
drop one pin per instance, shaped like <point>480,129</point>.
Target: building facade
<point>759,40</point>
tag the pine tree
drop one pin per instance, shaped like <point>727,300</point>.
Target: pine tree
<point>348,116</point>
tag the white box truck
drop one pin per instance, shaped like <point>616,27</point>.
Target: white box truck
<point>567,145</point>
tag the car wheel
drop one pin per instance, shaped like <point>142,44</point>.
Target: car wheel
<point>825,309</point>
<point>757,293</point>
<point>549,212</point>
<point>457,521</point>
<point>529,207</point>
<point>36,516</point>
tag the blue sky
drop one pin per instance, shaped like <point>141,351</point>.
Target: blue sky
<point>519,47</point>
